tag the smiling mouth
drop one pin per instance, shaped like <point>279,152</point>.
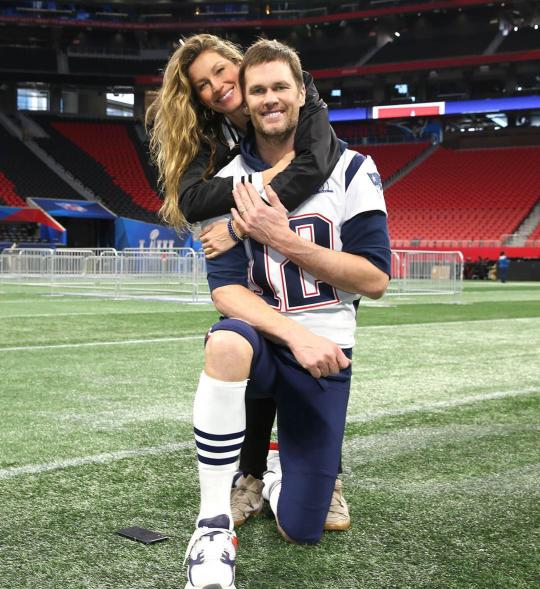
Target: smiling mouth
<point>273,115</point>
<point>226,96</point>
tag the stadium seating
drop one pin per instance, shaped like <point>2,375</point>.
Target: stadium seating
<point>8,195</point>
<point>15,162</point>
<point>112,66</point>
<point>534,236</point>
<point>28,58</point>
<point>392,157</point>
<point>18,233</point>
<point>520,40</point>
<point>477,194</point>
<point>410,48</point>
<point>103,157</point>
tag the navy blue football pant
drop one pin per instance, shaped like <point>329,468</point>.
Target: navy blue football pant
<point>311,421</point>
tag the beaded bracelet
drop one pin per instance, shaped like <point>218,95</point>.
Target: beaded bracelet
<point>234,236</point>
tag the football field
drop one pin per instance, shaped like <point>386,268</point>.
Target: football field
<point>440,454</point>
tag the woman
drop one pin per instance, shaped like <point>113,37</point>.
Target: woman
<point>197,120</point>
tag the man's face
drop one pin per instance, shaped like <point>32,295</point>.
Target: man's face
<point>273,99</point>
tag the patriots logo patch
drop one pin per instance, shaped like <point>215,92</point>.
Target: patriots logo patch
<point>376,179</point>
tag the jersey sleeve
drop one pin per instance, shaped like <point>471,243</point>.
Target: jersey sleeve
<point>201,199</point>
<point>365,229</point>
<point>366,235</point>
<point>229,268</point>
<point>317,152</point>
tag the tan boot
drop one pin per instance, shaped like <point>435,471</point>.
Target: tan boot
<point>338,519</point>
<point>246,499</point>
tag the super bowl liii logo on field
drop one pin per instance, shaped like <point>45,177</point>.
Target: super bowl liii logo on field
<point>156,243</point>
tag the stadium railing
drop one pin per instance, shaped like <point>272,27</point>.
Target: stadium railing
<point>507,240</point>
<point>418,272</point>
<point>180,273</point>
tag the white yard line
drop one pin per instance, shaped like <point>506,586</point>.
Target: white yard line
<point>441,405</point>
<point>91,313</point>
<point>124,342</point>
<point>6,473</point>
<point>436,323</point>
<point>193,337</point>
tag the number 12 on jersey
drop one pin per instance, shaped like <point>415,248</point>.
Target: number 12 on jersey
<point>281,282</point>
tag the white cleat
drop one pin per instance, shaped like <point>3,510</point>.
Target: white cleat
<point>211,555</point>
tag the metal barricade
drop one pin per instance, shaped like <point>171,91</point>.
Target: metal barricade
<point>26,263</point>
<point>416,272</point>
<point>180,273</point>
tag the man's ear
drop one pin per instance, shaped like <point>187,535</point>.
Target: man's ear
<point>302,95</point>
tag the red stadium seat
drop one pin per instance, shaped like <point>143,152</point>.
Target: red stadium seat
<point>111,146</point>
<point>8,195</point>
<point>466,194</point>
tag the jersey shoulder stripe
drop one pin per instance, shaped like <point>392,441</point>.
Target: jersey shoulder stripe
<point>353,167</point>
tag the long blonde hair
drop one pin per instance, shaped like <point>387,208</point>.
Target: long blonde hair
<point>178,123</point>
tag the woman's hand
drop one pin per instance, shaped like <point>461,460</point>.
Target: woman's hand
<point>216,239</point>
<point>271,173</point>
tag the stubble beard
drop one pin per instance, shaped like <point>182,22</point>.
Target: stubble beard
<point>277,136</point>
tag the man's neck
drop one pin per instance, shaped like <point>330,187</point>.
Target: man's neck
<point>271,152</point>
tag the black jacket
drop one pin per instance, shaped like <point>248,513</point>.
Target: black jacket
<point>317,153</point>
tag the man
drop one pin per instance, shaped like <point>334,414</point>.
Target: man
<point>502,267</point>
<point>293,328</point>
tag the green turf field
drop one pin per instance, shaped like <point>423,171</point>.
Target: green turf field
<point>440,454</point>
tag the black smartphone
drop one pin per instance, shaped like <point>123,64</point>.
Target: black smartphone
<point>142,535</point>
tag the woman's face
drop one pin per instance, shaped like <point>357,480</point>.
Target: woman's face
<point>215,80</point>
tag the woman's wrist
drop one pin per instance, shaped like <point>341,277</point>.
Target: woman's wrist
<point>234,231</point>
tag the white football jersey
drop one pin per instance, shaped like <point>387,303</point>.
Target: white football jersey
<point>353,188</point>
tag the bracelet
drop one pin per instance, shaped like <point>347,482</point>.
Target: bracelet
<point>234,236</point>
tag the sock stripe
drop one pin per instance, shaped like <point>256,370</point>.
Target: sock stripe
<point>218,461</point>
<point>219,437</point>
<point>218,449</point>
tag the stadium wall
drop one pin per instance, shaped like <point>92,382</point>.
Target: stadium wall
<point>529,258</point>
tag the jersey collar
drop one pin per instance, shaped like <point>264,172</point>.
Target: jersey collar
<point>248,149</point>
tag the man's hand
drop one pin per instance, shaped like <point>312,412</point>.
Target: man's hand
<point>216,239</point>
<point>318,355</point>
<point>253,216</point>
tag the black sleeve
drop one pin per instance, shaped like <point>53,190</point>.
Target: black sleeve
<point>317,152</point>
<point>201,199</point>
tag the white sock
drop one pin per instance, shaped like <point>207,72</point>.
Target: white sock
<point>219,421</point>
<point>272,489</point>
